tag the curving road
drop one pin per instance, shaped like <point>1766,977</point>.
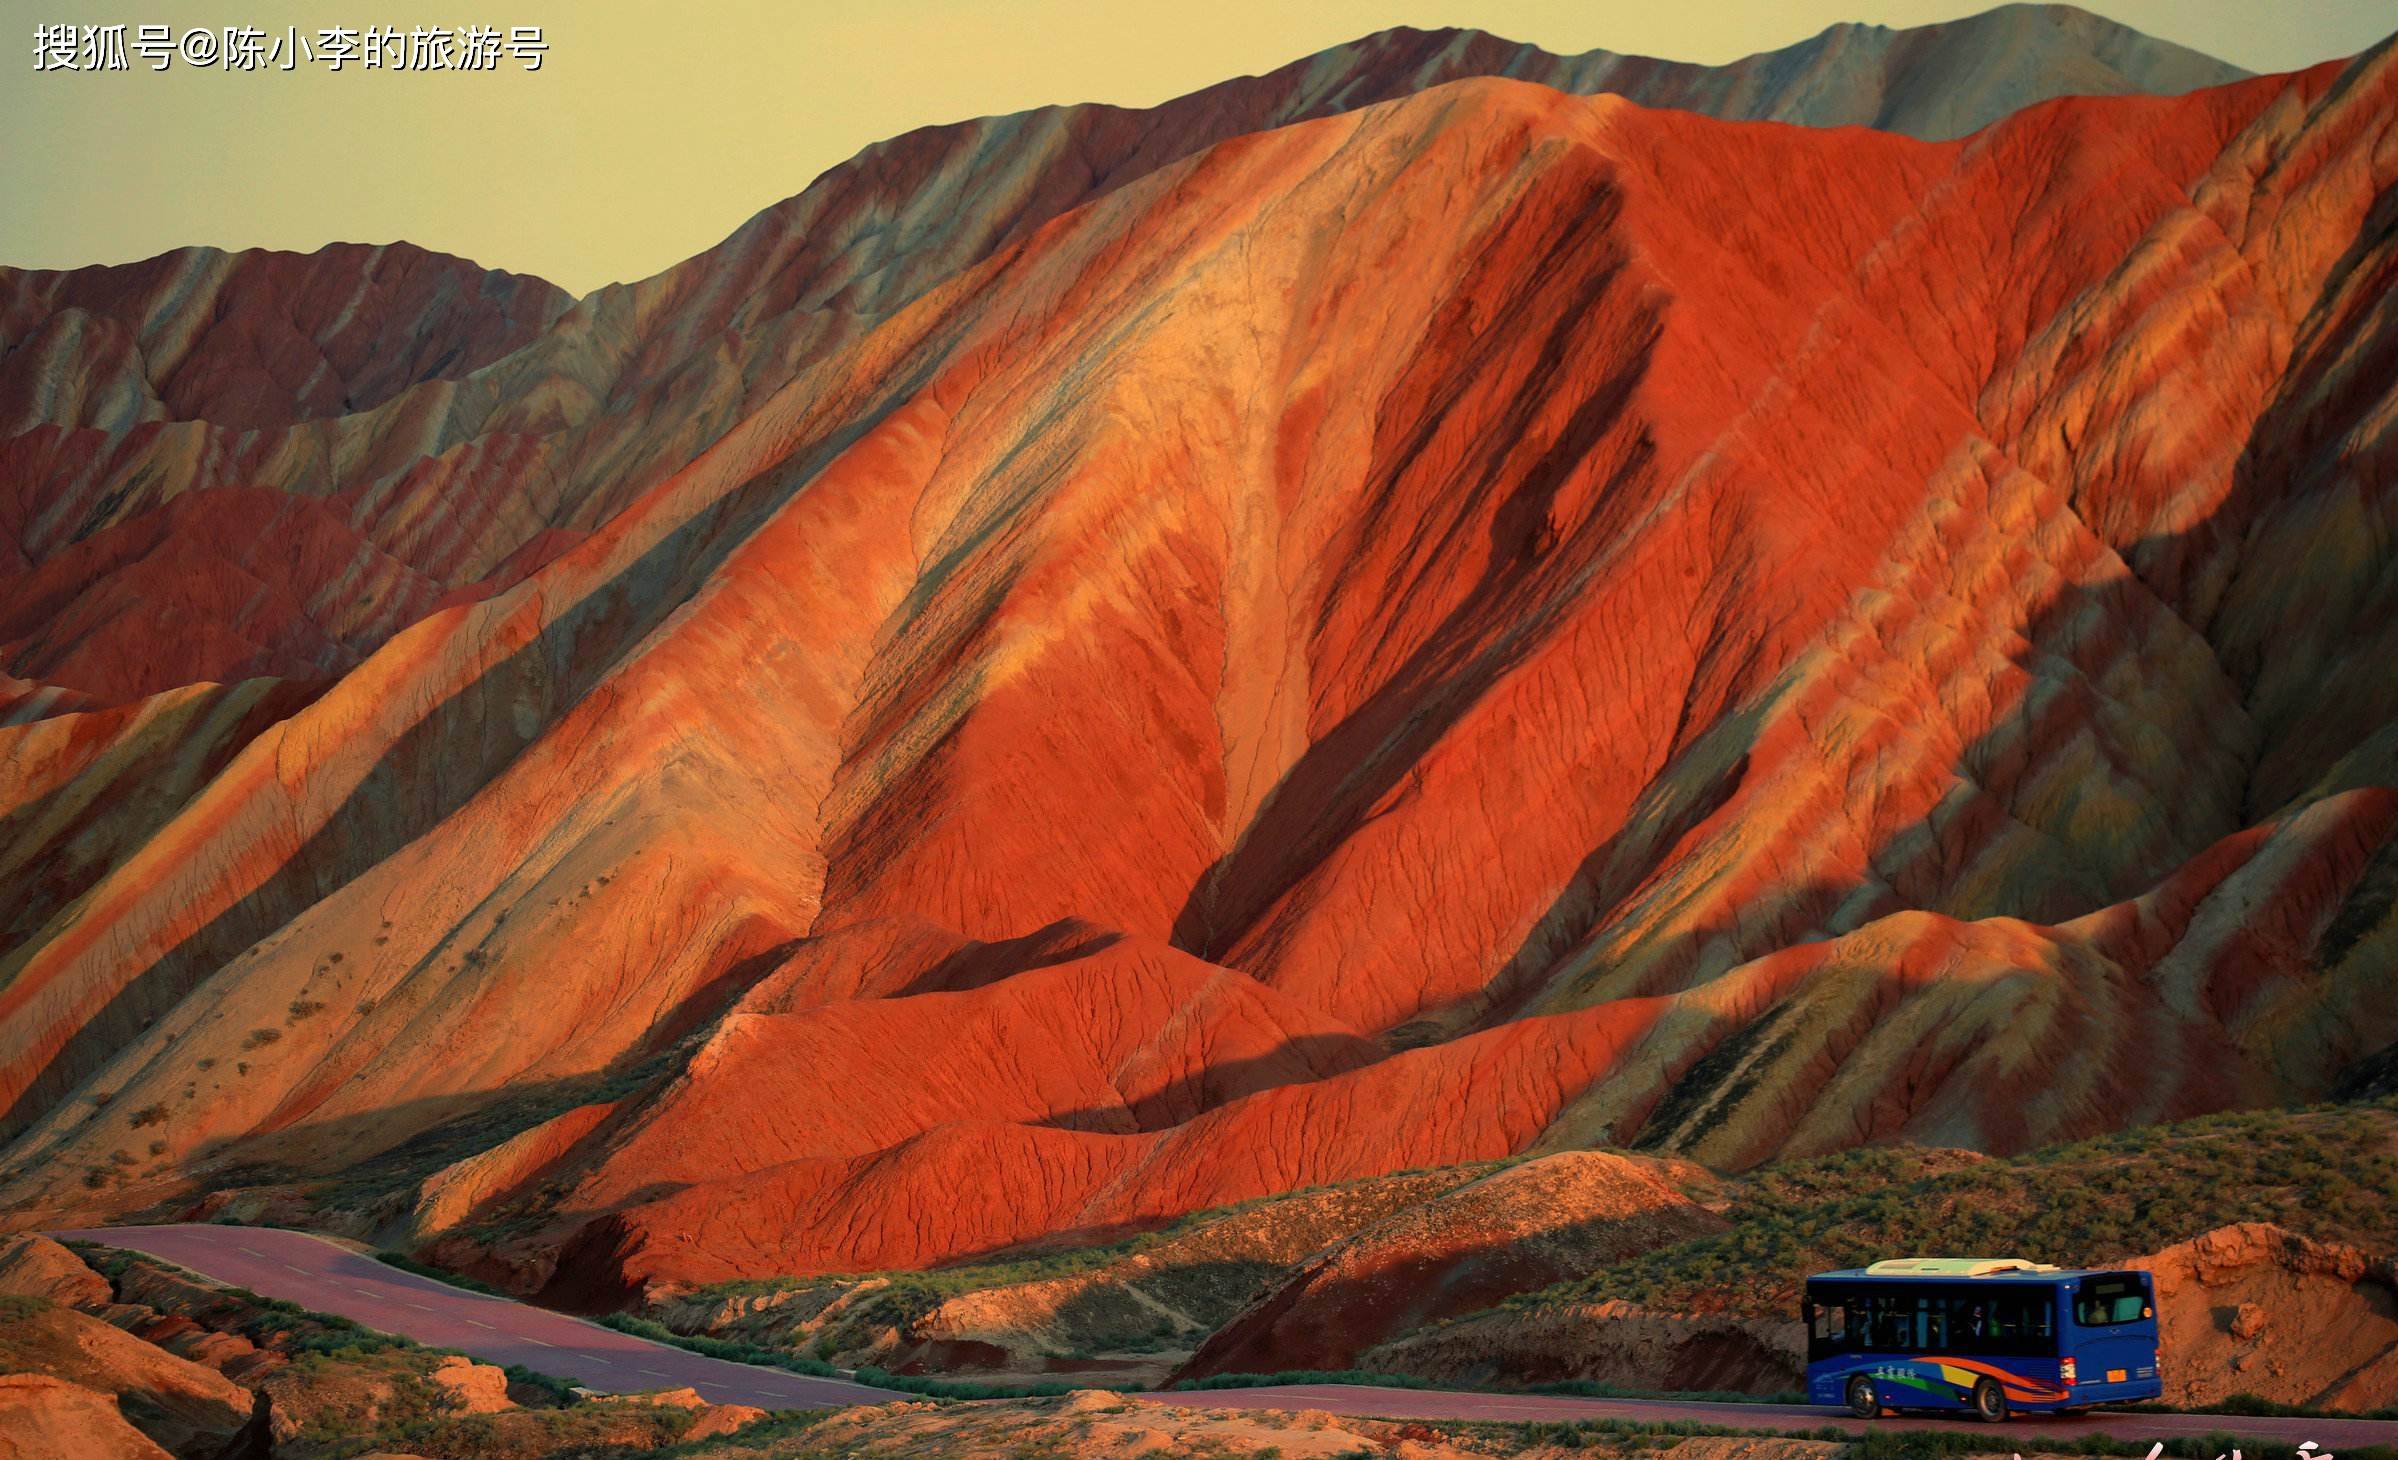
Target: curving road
<point>315,1273</point>
<point>330,1278</point>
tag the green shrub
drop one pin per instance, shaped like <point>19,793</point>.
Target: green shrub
<point>1361,1377</point>
<point>391,1257</point>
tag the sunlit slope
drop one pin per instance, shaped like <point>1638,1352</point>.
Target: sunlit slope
<point>445,428</point>
<point>1508,618</point>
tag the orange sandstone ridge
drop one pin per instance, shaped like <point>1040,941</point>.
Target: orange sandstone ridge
<point>1056,681</point>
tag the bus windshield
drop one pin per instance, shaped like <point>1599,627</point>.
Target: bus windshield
<point>2017,1320</point>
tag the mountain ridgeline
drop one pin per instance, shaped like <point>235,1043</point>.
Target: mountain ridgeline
<point>1439,603</point>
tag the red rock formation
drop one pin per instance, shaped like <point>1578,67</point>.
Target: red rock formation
<point>896,1206</point>
<point>187,1407</point>
<point>213,581</point>
<point>466,434</point>
<point>255,339</point>
<point>1541,621</point>
<point>36,1267</point>
<point>1126,1040</point>
<point>452,1195</point>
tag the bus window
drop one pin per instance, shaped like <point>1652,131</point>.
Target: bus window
<point>1986,1320</point>
<point>1827,1326</point>
<point>1894,1327</point>
<point>1931,1321</point>
<point>2108,1300</point>
<point>2023,1323</point>
<point>1969,1324</point>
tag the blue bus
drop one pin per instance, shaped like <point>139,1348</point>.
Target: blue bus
<point>1981,1334</point>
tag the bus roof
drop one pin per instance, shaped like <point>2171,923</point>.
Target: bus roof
<point>1894,1273</point>
<point>1955,1266</point>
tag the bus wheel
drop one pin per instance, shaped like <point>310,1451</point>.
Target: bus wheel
<point>1861,1402</point>
<point>1989,1401</point>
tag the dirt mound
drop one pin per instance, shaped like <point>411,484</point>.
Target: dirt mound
<point>2253,1309</point>
<point>1612,1342</point>
<point>1522,1228</point>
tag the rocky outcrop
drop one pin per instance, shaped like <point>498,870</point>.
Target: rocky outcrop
<point>42,1418</point>
<point>707,1420</point>
<point>1610,1342</point>
<point>33,1266</point>
<point>2254,1309</point>
<point>472,1388</point>
<point>184,1406</point>
<point>452,1195</point>
<point>1519,1229</point>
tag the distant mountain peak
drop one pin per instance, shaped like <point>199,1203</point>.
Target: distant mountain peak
<point>1934,81</point>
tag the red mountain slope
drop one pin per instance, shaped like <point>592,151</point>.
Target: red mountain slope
<point>468,424</point>
<point>1600,624</point>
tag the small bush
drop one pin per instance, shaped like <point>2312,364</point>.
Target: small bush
<point>405,1263</point>
<point>259,1039</point>
<point>148,1115</point>
<point>560,1392</point>
<point>1362,1377</point>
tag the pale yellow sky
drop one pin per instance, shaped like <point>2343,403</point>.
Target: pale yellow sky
<point>654,129</point>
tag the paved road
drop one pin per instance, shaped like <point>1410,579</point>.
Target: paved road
<point>1436,1404</point>
<point>318,1274</point>
<point>329,1278</point>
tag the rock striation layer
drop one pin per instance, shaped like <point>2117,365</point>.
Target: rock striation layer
<point>1097,665</point>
